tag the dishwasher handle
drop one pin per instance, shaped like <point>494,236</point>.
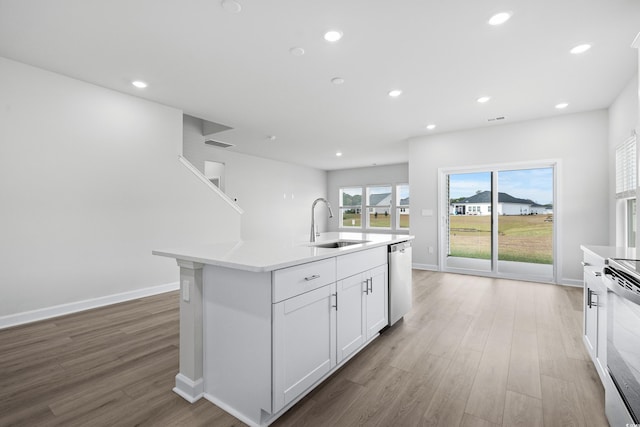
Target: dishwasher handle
<point>400,247</point>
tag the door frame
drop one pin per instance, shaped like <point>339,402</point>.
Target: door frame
<point>443,212</point>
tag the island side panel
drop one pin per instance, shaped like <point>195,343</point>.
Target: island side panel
<point>237,341</point>
<point>189,381</point>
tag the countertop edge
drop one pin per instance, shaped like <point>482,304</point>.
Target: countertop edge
<point>605,252</point>
<point>268,267</point>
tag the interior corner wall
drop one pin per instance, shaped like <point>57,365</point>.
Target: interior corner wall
<point>623,121</point>
<point>276,196</point>
<point>372,175</point>
<point>90,184</point>
<point>578,141</point>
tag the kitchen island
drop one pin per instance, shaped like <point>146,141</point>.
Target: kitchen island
<point>263,322</point>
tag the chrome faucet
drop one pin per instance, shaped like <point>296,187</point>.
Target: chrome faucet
<point>313,218</point>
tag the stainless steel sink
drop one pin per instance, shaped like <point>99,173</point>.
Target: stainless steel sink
<point>337,243</point>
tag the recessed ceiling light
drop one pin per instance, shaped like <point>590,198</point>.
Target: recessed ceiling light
<point>333,35</point>
<point>483,99</point>
<point>338,154</point>
<point>296,51</point>
<point>562,105</point>
<point>581,48</point>
<point>431,127</point>
<point>395,93</point>
<point>231,6</point>
<point>499,18</point>
<point>139,84</point>
<point>337,80</point>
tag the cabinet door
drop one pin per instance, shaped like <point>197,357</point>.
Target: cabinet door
<point>304,342</point>
<point>590,313</point>
<point>376,301</point>
<point>350,315</point>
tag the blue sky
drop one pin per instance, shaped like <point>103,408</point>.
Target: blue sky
<point>533,184</point>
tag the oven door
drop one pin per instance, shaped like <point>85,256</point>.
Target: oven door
<point>623,343</point>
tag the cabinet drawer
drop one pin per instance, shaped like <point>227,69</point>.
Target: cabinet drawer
<point>296,280</point>
<point>591,260</point>
<point>357,262</point>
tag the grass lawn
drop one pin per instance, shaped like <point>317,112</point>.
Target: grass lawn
<point>522,238</point>
<point>353,220</point>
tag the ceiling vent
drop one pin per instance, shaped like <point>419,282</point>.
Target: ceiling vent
<point>218,144</point>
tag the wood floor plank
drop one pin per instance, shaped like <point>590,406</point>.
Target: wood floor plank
<point>521,410</point>
<point>472,421</point>
<point>560,403</point>
<point>524,364</point>
<point>489,389</point>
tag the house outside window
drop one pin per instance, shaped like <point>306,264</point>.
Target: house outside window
<point>383,207</point>
<point>351,207</point>
<point>402,209</point>
<point>379,207</point>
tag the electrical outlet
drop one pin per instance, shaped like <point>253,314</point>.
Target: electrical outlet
<point>185,290</point>
<point>430,249</point>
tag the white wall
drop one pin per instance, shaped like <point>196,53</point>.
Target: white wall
<point>276,196</point>
<point>623,120</point>
<point>387,174</point>
<point>578,141</point>
<point>90,184</point>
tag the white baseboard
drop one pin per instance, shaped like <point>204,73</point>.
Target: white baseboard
<point>430,267</point>
<point>191,391</point>
<point>74,307</point>
<point>572,282</point>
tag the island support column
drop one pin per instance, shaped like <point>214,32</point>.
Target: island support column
<point>189,381</point>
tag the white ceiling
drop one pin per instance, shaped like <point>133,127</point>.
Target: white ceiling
<point>236,69</point>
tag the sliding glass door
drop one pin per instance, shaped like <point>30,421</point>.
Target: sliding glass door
<point>499,222</point>
<point>470,227</point>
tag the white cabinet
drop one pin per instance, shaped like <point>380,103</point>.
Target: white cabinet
<point>595,319</point>
<point>304,342</point>
<point>362,300</point>
<point>285,331</point>
<point>376,301</point>
<point>314,330</point>
<point>351,329</point>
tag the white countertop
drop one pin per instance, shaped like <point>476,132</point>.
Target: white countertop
<point>610,251</point>
<point>269,255</point>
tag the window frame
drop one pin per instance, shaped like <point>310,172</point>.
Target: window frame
<point>393,208</point>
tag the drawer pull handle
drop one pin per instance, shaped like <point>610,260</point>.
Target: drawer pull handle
<point>315,276</point>
<point>585,264</point>
<point>597,273</point>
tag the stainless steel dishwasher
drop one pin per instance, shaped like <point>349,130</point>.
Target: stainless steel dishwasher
<point>399,280</point>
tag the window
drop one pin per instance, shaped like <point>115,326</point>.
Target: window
<point>626,172</point>
<point>379,207</point>
<point>402,209</point>
<point>631,223</point>
<point>351,207</point>
<point>384,207</point>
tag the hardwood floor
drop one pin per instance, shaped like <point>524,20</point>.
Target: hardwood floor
<point>473,352</point>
